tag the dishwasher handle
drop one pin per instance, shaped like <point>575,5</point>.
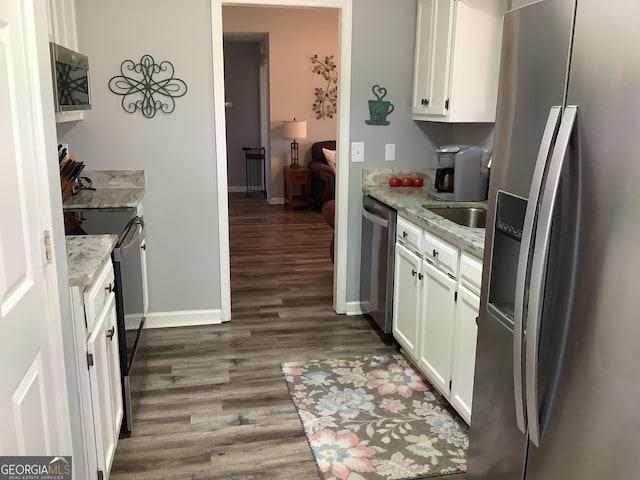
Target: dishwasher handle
<point>384,223</point>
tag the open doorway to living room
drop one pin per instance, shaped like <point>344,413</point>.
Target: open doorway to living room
<point>281,73</point>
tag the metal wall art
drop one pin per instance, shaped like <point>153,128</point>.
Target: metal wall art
<point>378,108</point>
<point>326,103</point>
<point>148,87</point>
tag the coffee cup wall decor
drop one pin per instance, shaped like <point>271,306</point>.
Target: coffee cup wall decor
<point>379,109</point>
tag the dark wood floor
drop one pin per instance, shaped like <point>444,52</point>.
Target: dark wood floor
<point>213,403</point>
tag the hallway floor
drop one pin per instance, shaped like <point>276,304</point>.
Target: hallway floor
<point>213,403</point>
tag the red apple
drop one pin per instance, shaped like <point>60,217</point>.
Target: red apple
<point>406,181</point>
<point>394,181</point>
<point>418,182</point>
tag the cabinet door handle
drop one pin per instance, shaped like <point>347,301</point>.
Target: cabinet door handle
<point>109,288</point>
<point>434,253</point>
<point>404,234</point>
<point>420,276</point>
<point>413,272</point>
<point>111,332</point>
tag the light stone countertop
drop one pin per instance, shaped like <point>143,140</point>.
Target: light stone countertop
<point>114,189</point>
<point>85,255</point>
<point>408,203</point>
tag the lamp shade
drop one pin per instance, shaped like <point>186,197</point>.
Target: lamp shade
<point>295,129</point>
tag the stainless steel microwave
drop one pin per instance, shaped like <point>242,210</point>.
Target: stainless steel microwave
<point>71,87</point>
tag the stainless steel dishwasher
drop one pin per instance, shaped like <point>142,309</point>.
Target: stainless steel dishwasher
<point>377,261</point>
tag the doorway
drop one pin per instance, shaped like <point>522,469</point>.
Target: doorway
<point>344,8</point>
<point>246,66</point>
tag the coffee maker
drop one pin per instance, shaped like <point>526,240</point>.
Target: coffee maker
<point>459,177</point>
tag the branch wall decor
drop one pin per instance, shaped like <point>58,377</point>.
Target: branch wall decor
<point>151,86</point>
<point>326,103</point>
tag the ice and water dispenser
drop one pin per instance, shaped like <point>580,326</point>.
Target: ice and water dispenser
<point>507,235</point>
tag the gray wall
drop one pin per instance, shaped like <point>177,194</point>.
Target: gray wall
<point>242,88</point>
<point>176,151</point>
<point>383,45</point>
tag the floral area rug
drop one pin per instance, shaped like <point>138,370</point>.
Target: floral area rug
<point>375,417</point>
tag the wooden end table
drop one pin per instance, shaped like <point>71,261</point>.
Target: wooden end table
<point>297,177</point>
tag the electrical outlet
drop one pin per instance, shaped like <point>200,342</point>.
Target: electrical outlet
<point>357,152</point>
<point>390,152</point>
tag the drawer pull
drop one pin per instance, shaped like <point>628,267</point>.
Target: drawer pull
<point>111,332</point>
<point>434,253</point>
<point>109,288</point>
<point>404,234</point>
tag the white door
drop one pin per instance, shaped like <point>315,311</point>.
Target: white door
<point>34,418</point>
<point>107,403</point>
<point>405,301</point>
<point>423,54</point>
<point>436,334</point>
<point>115,378</point>
<point>440,57</point>
<point>464,351</point>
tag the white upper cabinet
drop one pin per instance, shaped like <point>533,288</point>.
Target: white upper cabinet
<point>457,59</point>
<point>62,23</point>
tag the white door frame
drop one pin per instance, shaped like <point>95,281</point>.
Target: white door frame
<point>33,129</point>
<point>342,173</point>
<point>263,73</point>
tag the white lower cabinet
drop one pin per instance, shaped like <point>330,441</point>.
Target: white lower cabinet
<point>406,298</point>
<point>99,380</point>
<point>436,322</point>
<point>436,302</point>
<point>464,351</point>
<point>106,390</point>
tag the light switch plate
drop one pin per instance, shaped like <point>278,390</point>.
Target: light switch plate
<point>390,152</point>
<point>357,152</point>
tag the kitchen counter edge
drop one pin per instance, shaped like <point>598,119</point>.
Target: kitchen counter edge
<point>85,256</point>
<point>408,201</point>
<point>113,189</point>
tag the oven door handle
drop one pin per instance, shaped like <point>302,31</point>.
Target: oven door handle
<point>132,238</point>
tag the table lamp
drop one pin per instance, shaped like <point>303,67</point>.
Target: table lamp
<point>293,130</point>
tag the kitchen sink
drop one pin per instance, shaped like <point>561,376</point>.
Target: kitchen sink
<point>474,217</point>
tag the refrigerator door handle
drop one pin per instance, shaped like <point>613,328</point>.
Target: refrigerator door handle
<point>544,152</point>
<point>539,270</point>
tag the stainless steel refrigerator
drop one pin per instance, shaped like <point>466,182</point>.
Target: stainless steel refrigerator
<point>557,382</point>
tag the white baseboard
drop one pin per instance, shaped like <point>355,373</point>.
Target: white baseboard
<point>354,308</point>
<point>186,318</point>
<point>238,189</point>
<point>276,201</point>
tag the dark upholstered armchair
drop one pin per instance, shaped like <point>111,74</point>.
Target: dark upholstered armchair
<point>323,177</point>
